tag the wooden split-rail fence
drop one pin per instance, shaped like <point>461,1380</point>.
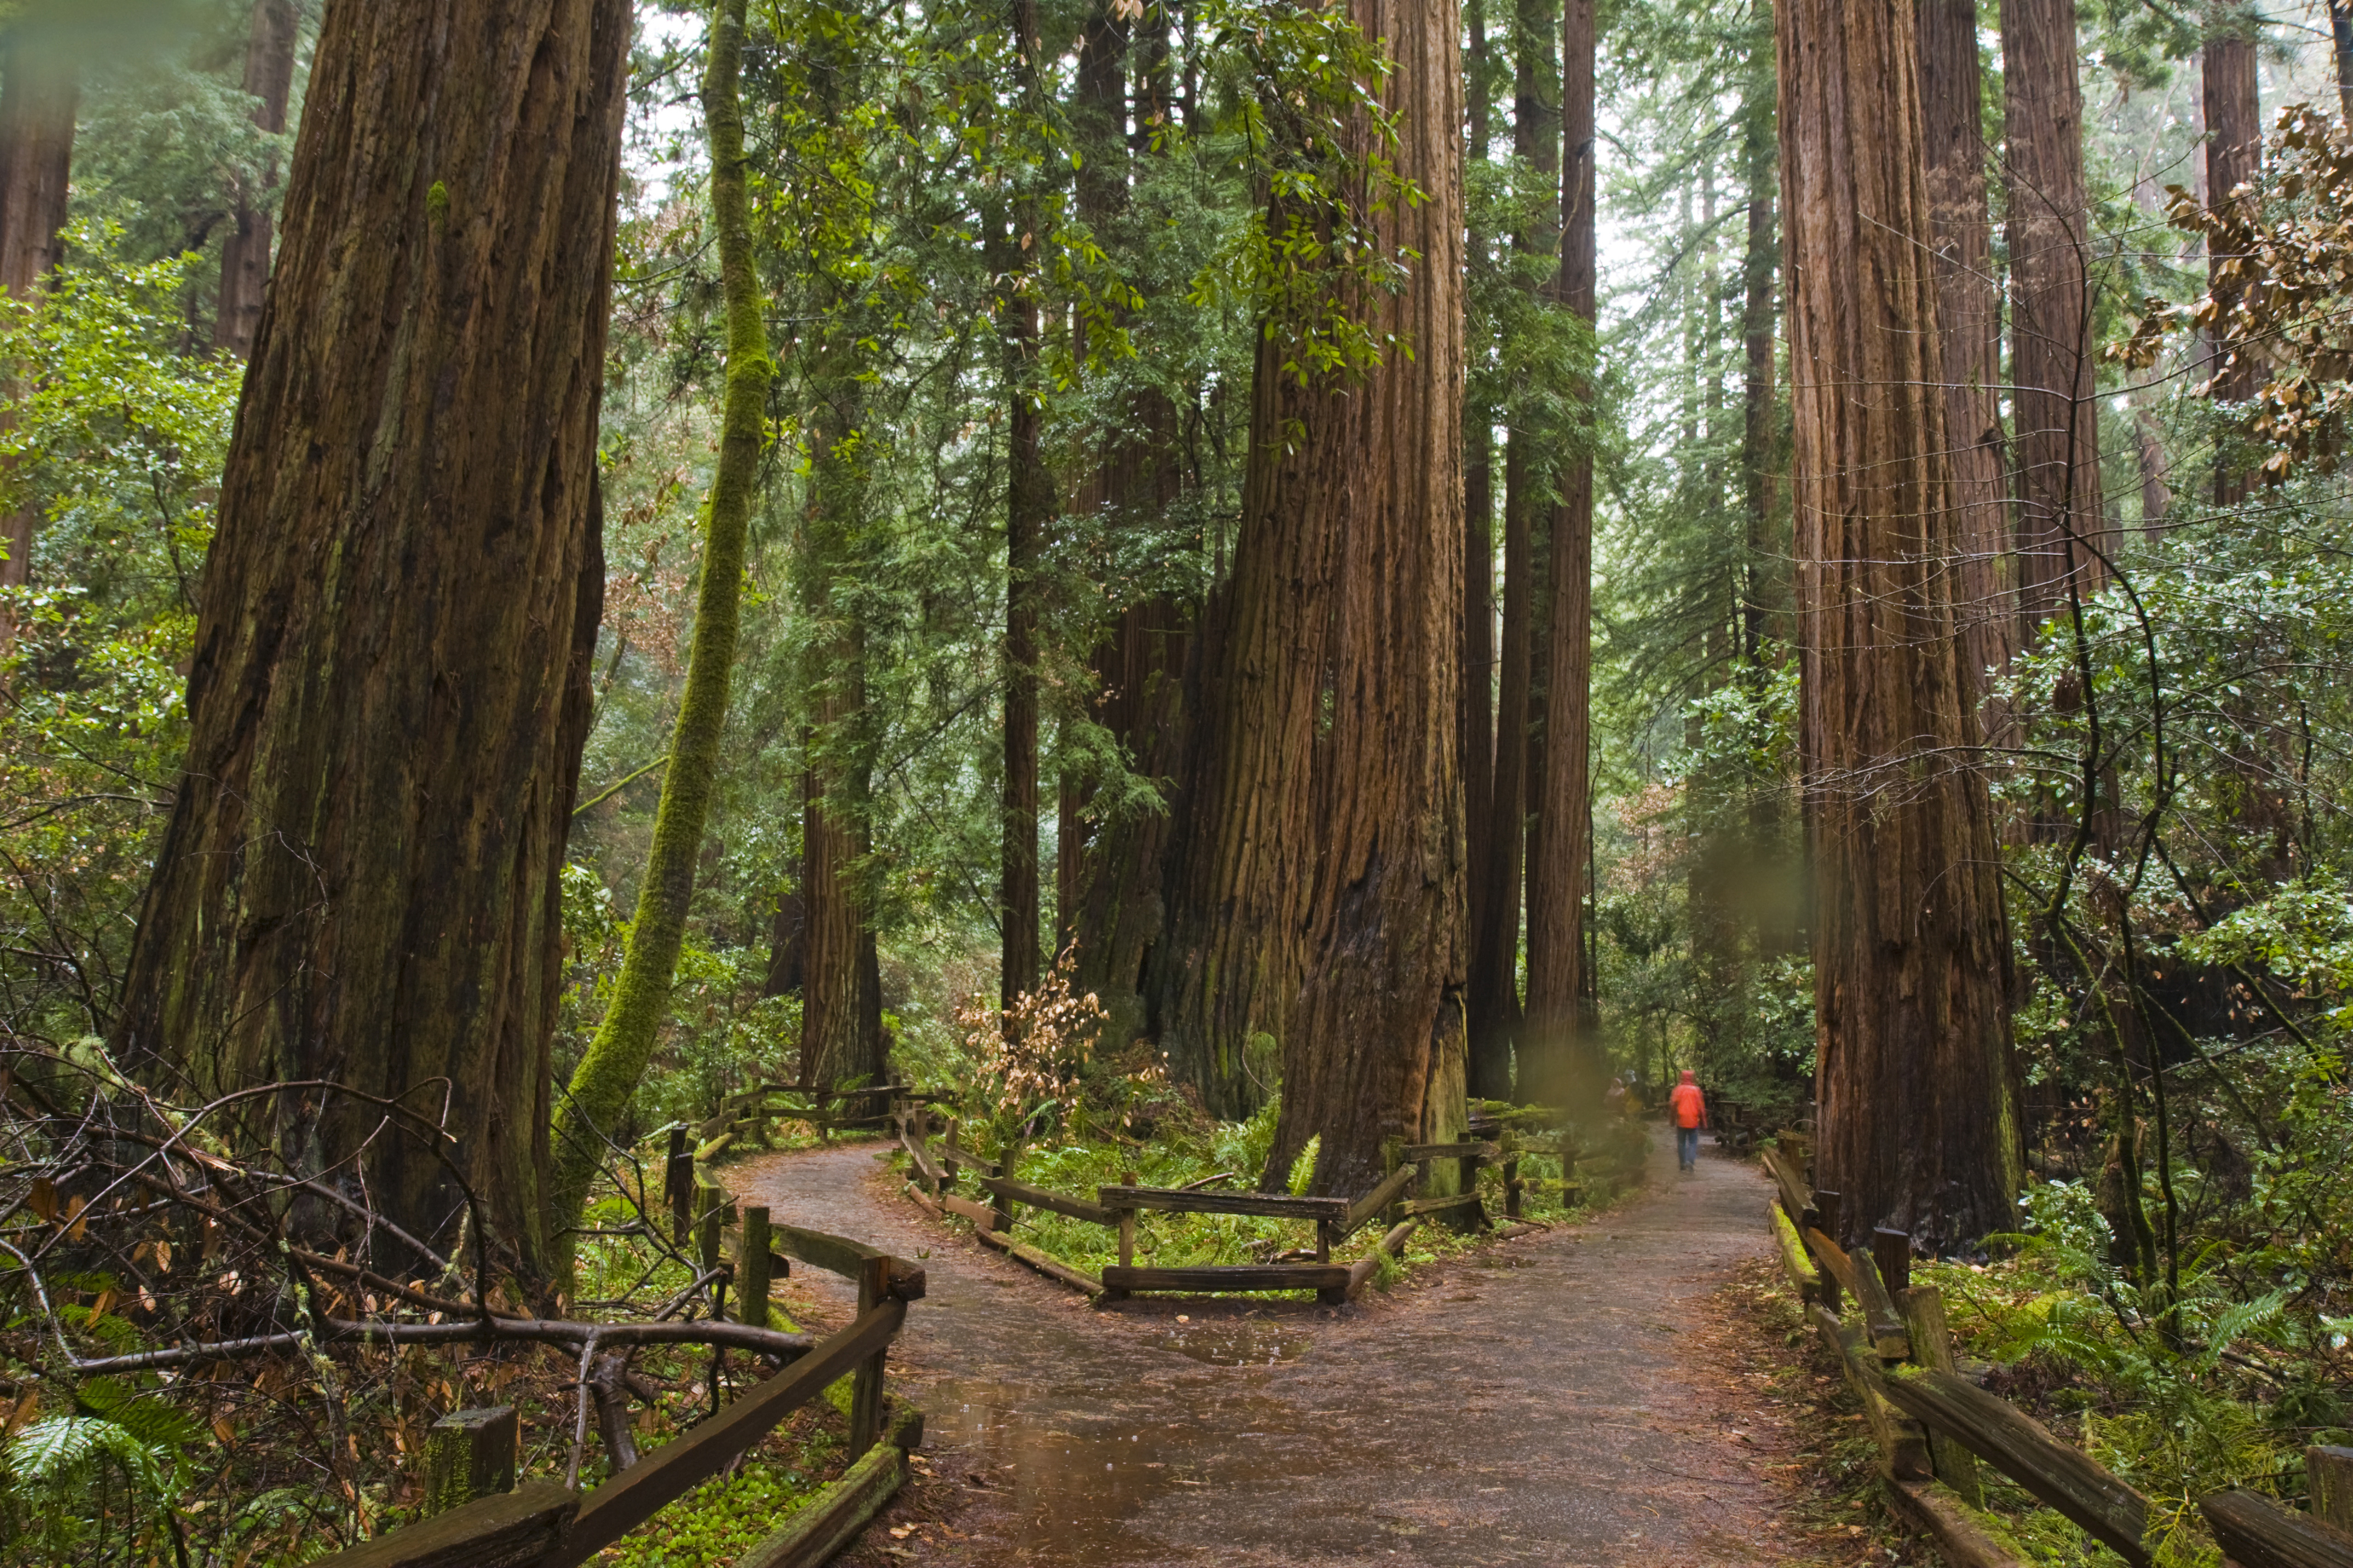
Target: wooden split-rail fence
<point>1934,1426</point>
<point>743,1116</point>
<point>484,1520</point>
<point>941,1172</point>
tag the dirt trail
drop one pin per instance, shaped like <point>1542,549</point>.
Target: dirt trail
<point>1527,1406</point>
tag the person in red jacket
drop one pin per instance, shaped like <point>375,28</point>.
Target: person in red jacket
<point>1690,1109</point>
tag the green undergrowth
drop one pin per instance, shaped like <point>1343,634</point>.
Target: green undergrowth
<point>1227,1156</point>
<point>725,1517</point>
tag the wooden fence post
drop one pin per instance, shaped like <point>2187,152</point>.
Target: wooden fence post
<point>469,1453</point>
<point>678,1185</point>
<point>1512,1187</point>
<point>752,1266</point>
<point>1932,1346</point>
<point>866,1389</point>
<point>1892,1250</point>
<point>951,1168</point>
<point>999,1205</point>
<point>2330,1473</point>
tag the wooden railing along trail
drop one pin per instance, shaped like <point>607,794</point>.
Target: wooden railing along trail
<point>1933,1426</point>
<point>488,1522</point>
<point>940,1170</point>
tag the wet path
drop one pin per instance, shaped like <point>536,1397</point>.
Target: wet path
<point>1526,1405</point>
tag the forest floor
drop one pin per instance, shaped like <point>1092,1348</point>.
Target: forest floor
<point>1581,1395</point>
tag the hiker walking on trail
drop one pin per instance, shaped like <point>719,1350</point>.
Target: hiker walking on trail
<point>1690,1108</point>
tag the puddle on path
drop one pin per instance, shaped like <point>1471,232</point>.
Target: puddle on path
<point>1237,1343</point>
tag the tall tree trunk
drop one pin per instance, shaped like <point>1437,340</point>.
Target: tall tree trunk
<point>2340,31</point>
<point>1376,1046</point>
<point>2235,145</point>
<point>1968,316</point>
<point>1917,1123</point>
<point>1557,1041</point>
<point>608,1073</point>
<point>1482,830</point>
<point>245,254</point>
<point>391,682</point>
<point>40,88</point>
<point>2054,354</point>
<point>1530,464</point>
<point>1029,506</point>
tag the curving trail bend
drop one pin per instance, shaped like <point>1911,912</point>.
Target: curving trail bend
<point>1540,1403</point>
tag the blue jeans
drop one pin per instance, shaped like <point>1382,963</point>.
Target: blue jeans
<point>1687,1147</point>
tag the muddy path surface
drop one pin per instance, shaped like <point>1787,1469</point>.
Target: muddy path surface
<point>1541,1402</point>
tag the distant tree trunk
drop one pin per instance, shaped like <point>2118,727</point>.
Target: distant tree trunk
<point>391,683</point>
<point>1968,315</point>
<point>1481,829</point>
<point>245,254</point>
<point>787,947</point>
<point>40,88</point>
<point>1376,1046</point>
<point>1917,1121</point>
<point>616,1060</point>
<point>2054,351</point>
<point>1029,507</point>
<point>1558,1042</point>
<point>1530,466</point>
<point>2234,146</point>
<point>2340,29</point>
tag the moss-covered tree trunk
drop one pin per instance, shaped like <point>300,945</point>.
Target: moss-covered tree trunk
<point>1377,1049</point>
<point>391,682</point>
<point>1560,1050</point>
<point>616,1060</point>
<point>1911,959</point>
<point>244,251</point>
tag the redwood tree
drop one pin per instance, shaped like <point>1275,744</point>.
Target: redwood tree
<point>2056,428</point>
<point>1376,1049</point>
<point>1558,1040</point>
<point>1917,1119</point>
<point>245,253</point>
<point>2234,146</point>
<point>1968,314</point>
<point>390,687</point>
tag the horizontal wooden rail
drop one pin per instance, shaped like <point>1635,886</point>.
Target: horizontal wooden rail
<point>1230,1277</point>
<point>2017,1445</point>
<point>840,1255</point>
<point>1473,1150</point>
<point>1372,1203</point>
<point>508,1530</point>
<point>1438,1204</point>
<point>1053,1202</point>
<point>1173,1200</point>
<point>639,1492</point>
<point>2256,1532</point>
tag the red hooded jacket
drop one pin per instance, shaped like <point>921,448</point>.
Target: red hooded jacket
<point>1688,1104</point>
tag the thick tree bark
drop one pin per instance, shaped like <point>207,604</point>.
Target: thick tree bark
<point>2054,351</point>
<point>1029,507</point>
<point>40,88</point>
<point>616,1060</point>
<point>2235,145</point>
<point>1376,1048</point>
<point>1560,1050</point>
<point>391,680</point>
<point>1476,721</point>
<point>1917,1119</point>
<point>1969,317</point>
<point>245,254</point>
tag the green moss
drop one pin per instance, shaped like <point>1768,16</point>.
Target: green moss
<point>437,204</point>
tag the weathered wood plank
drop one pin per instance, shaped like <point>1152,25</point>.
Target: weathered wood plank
<point>1053,1202</point>
<point>2017,1445</point>
<point>667,1474</point>
<point>1903,1446</point>
<point>469,1453</point>
<point>1370,1205</point>
<point>1045,1263</point>
<point>919,1156</point>
<point>840,1255</point>
<point>2256,1532</point>
<point>1795,1262</point>
<point>1440,1204</point>
<point>829,1521</point>
<point>1231,1277</point>
<point>1922,1307</point>
<point>1364,1267</point>
<point>1795,1195</point>
<point>1936,1511</point>
<point>1169,1200</point>
<point>1474,1149</point>
<point>1880,1318</point>
<point>983,1217</point>
<point>512,1530</point>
